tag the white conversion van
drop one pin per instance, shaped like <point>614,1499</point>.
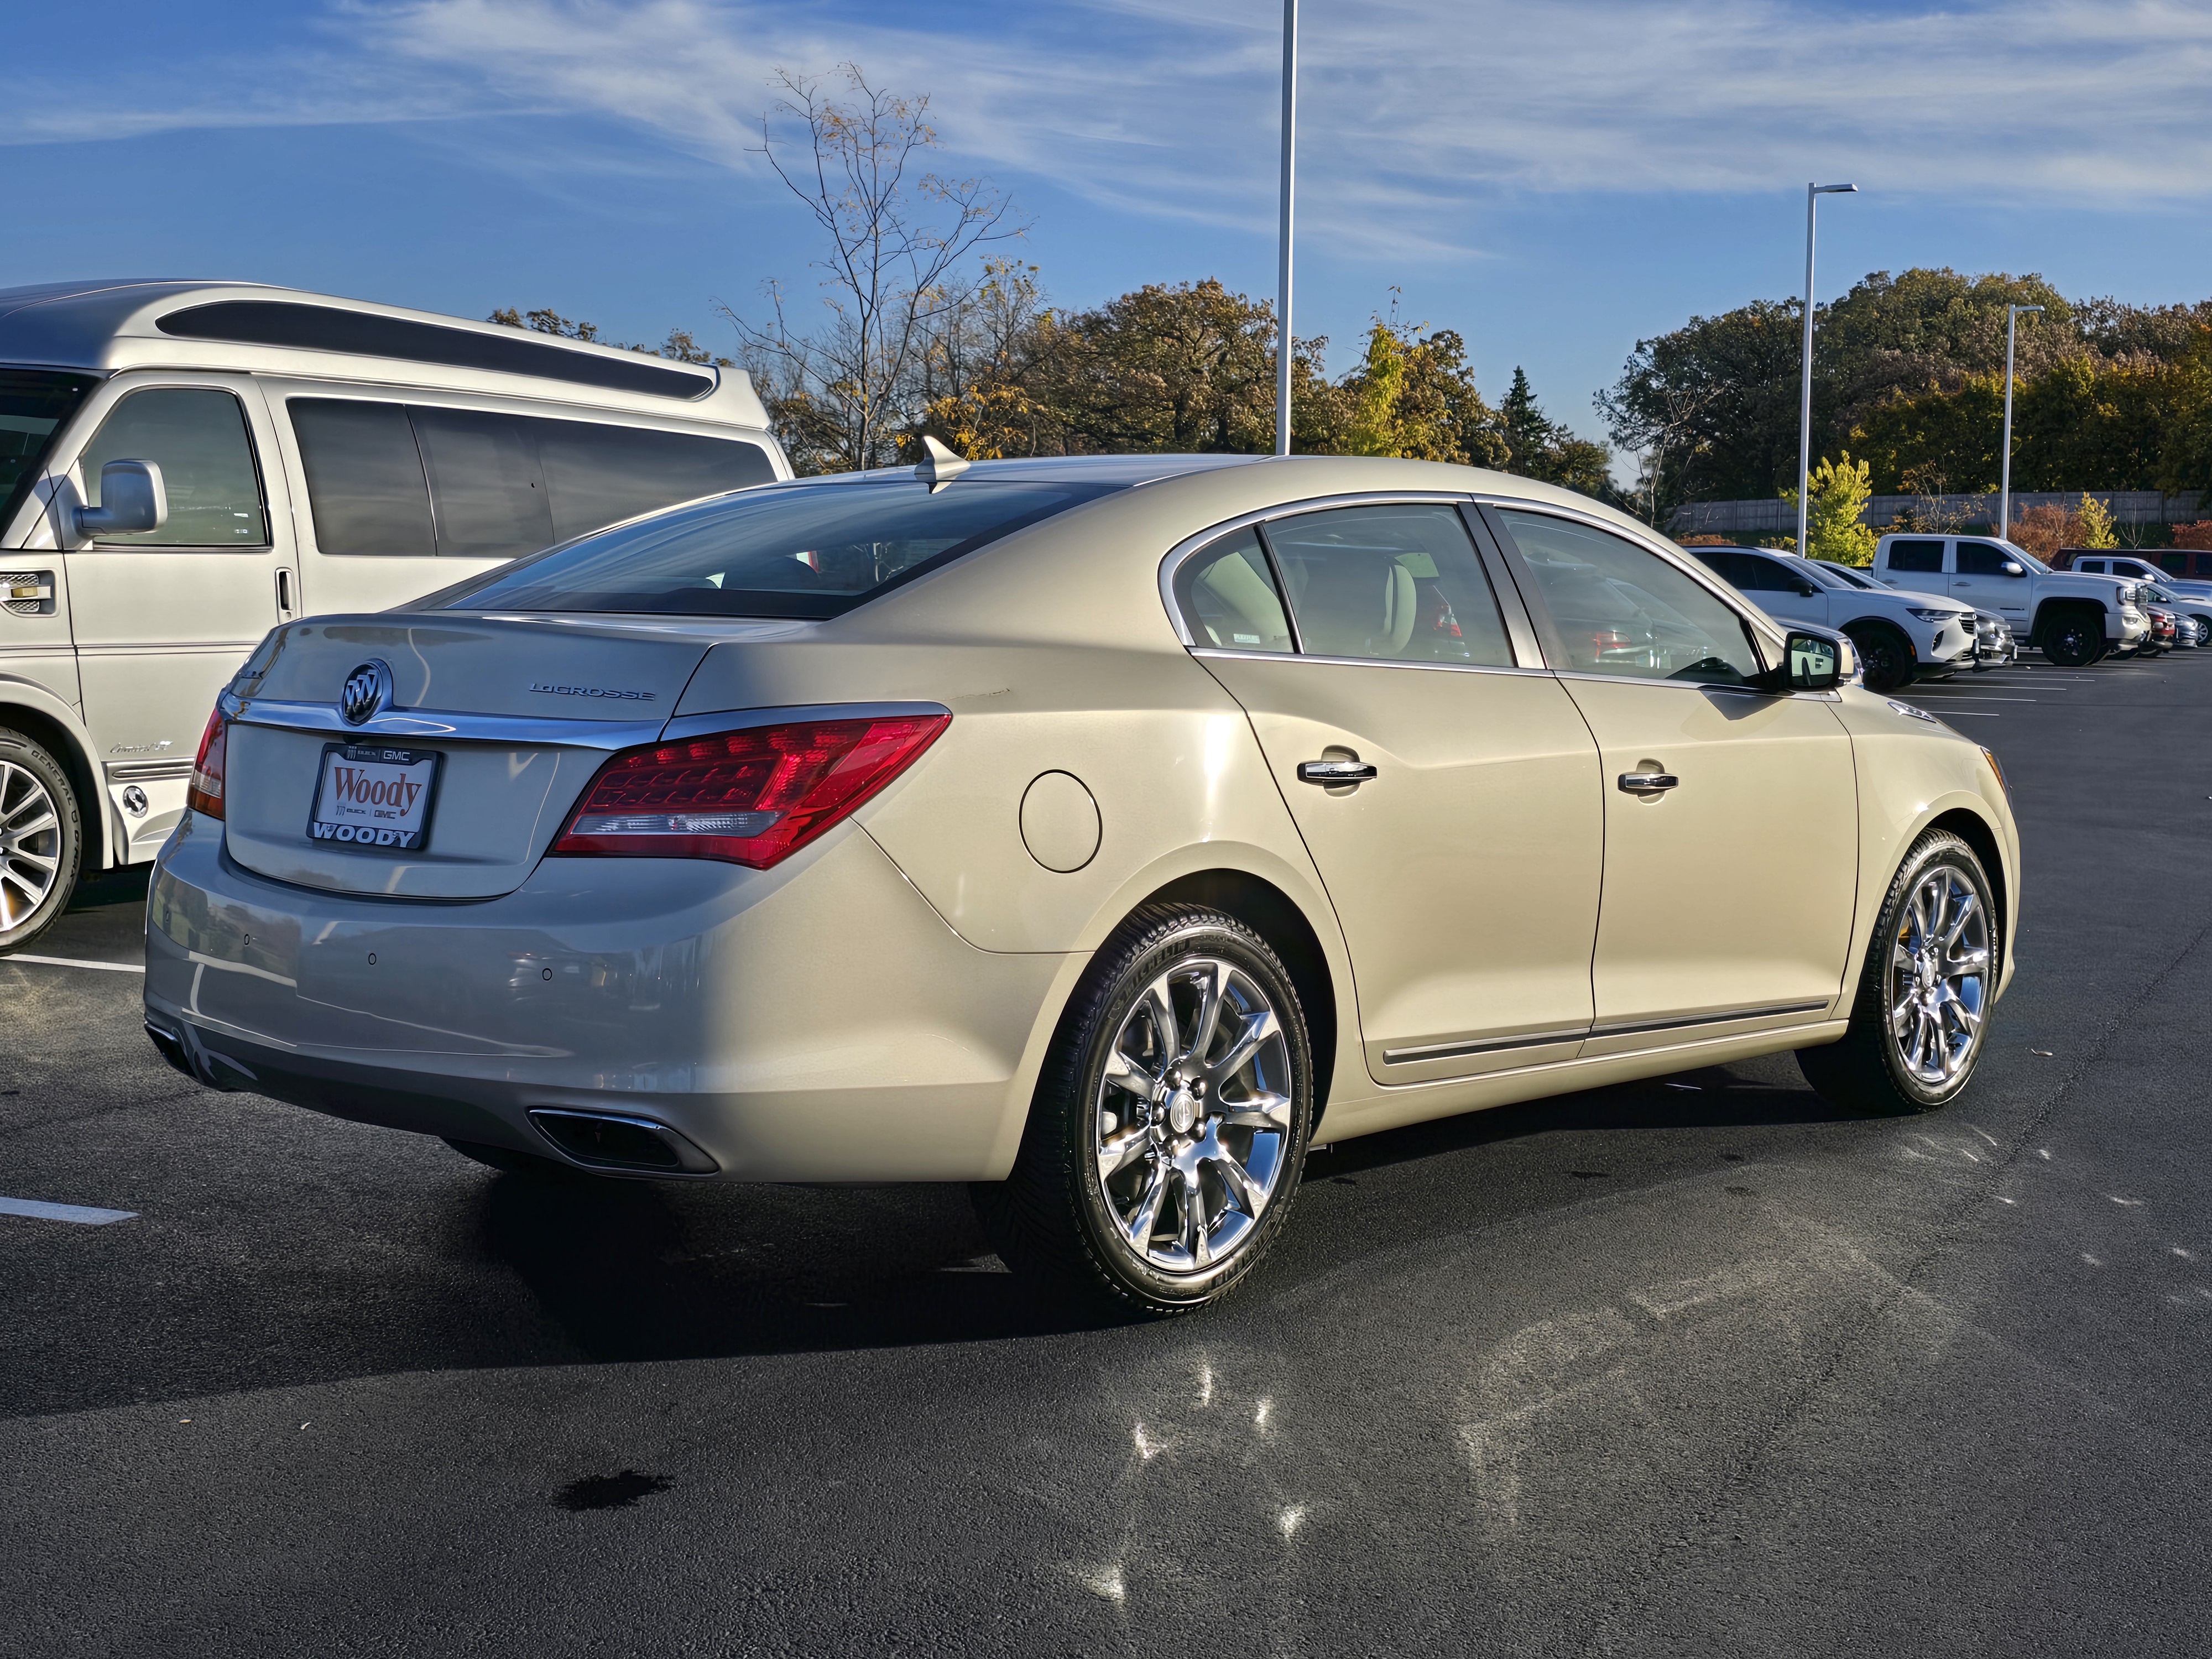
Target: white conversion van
<point>184,466</point>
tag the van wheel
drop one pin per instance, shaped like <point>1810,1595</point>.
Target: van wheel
<point>2074,639</point>
<point>41,840</point>
<point>1885,654</point>
<point>1918,1022</point>
<point>1170,1126</point>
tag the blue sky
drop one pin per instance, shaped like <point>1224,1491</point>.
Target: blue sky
<point>1553,179</point>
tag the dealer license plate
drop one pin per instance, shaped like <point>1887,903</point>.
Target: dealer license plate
<point>374,797</point>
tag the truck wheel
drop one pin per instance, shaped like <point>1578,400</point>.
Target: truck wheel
<point>1918,1022</point>
<point>41,840</point>
<point>2074,639</point>
<point>1885,655</point>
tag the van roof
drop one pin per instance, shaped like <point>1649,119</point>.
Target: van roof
<point>121,323</point>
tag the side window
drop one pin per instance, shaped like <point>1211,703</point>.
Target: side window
<point>489,499</point>
<point>1916,555</point>
<point>1624,611</point>
<point>196,436</point>
<point>1227,596</point>
<point>601,474</point>
<point>2174,564</point>
<point>1981,559</point>
<point>1400,583</point>
<point>1748,573</point>
<point>365,486</point>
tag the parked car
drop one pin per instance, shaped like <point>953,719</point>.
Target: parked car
<point>2164,625</point>
<point>2134,568</point>
<point>1996,646</point>
<point>2073,619</point>
<point>1897,637</point>
<point>2186,606</point>
<point>184,466</point>
<point>1100,831</point>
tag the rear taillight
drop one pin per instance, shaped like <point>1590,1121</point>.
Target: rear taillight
<point>752,797</point>
<point>206,794</point>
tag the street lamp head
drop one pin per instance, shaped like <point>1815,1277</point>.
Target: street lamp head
<point>2017,309</point>
<point>1835,190</point>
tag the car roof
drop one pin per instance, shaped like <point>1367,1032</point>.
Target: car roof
<point>1124,469</point>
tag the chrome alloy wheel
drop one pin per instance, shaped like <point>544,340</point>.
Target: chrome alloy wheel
<point>1193,1116</point>
<point>30,844</point>
<point>1939,976</point>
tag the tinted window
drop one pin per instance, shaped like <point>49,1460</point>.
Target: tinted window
<point>2176,563</point>
<point>600,474</point>
<point>365,486</point>
<point>794,549</point>
<point>489,501</point>
<point>196,436</point>
<point>1916,555</point>
<point>1228,598</point>
<point>1983,559</point>
<point>32,406</point>
<point>1624,611</point>
<point>333,328</point>
<point>1401,583</point>
<point>1844,572</point>
<point>1748,573</point>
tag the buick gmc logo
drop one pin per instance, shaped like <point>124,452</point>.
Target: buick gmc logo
<point>368,689</point>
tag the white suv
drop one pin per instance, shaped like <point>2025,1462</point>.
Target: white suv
<point>1900,637</point>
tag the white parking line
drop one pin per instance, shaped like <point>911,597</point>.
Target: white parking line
<point>71,961</point>
<point>83,1214</point>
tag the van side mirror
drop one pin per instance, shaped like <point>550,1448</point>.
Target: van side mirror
<point>132,500</point>
<point>1815,663</point>
<point>2014,568</point>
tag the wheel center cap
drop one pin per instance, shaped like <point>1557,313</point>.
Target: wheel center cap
<point>1182,1111</point>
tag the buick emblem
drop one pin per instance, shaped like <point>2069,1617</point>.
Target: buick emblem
<point>367,690</point>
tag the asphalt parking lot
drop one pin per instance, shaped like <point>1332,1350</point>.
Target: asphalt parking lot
<point>1696,1366</point>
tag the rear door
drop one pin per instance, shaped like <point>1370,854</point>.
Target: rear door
<point>1731,815</point>
<point>162,619</point>
<point>1978,579</point>
<point>1443,782</point>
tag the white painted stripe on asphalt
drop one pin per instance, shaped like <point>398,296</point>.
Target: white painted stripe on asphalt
<point>71,961</point>
<point>83,1214</point>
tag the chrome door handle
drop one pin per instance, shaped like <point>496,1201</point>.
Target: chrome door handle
<point>1648,783</point>
<point>1335,772</point>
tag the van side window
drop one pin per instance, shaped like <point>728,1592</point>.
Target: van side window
<point>1916,555</point>
<point>365,484</point>
<point>196,436</point>
<point>600,475</point>
<point>485,489</point>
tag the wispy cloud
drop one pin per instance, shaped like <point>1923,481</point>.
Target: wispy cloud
<point>1414,112</point>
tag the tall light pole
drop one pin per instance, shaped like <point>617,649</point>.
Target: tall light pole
<point>1813,194</point>
<point>2004,503</point>
<point>1289,153</point>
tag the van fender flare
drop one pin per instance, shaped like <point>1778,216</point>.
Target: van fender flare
<point>35,711</point>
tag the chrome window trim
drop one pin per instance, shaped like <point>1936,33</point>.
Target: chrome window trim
<point>1210,651</point>
<point>1189,545</point>
<point>443,724</point>
<point>1762,627</point>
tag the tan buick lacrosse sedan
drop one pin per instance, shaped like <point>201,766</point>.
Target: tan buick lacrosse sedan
<point>1098,832</point>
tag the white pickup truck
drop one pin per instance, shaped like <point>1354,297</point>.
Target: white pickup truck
<point>2073,619</point>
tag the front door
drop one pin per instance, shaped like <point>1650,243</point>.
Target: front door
<point>1449,795</point>
<point>1731,815</point>
<point>162,619</point>
<point>1978,579</point>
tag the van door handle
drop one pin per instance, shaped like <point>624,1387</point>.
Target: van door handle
<point>1335,772</point>
<point>283,590</point>
<point>1648,783</point>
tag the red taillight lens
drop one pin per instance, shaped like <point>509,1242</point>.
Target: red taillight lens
<point>206,794</point>
<point>751,797</point>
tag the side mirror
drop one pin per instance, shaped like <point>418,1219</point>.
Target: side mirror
<point>1806,591</point>
<point>132,500</point>
<point>2014,568</point>
<point>1816,663</point>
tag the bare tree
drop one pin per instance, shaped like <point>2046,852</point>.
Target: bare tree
<point>896,238</point>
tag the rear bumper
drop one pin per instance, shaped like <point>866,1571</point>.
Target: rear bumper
<point>817,1022</point>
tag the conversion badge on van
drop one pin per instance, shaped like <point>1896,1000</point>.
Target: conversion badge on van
<point>375,797</point>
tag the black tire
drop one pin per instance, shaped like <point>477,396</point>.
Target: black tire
<point>1059,1221</point>
<point>1868,1070</point>
<point>39,866</point>
<point>2074,637</point>
<point>507,1161</point>
<point>1886,659</point>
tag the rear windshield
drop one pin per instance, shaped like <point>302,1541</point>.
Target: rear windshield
<point>34,405</point>
<point>799,549</point>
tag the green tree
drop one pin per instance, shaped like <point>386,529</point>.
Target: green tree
<point>1838,495</point>
<point>1414,395</point>
<point>1537,446</point>
<point>2097,523</point>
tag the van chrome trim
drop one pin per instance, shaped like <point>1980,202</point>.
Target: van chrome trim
<point>443,724</point>
<point>146,771</point>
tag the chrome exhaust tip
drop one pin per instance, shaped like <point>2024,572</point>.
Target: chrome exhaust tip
<point>618,1141</point>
